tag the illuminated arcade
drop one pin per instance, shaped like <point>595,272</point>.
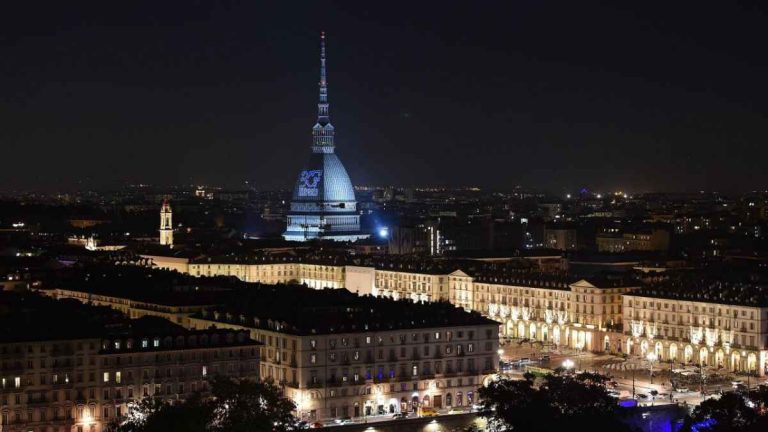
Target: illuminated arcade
<point>323,204</point>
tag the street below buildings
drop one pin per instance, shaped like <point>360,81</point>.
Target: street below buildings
<point>441,423</point>
<point>632,376</point>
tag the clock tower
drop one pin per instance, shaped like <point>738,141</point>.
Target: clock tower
<point>166,225</point>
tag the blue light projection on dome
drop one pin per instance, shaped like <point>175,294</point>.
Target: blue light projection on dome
<point>308,181</point>
<point>323,204</point>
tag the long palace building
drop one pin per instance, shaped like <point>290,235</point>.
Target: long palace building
<point>323,204</point>
<point>679,318</point>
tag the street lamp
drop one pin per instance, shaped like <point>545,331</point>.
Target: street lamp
<point>568,364</point>
<point>652,358</point>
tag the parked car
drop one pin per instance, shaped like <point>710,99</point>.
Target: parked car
<point>642,396</point>
<point>343,420</point>
<point>400,416</point>
<point>429,412</point>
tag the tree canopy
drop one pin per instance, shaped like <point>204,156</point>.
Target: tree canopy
<point>233,406</point>
<point>732,412</point>
<point>549,403</point>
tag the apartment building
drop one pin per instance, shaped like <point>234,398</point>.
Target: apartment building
<point>81,374</point>
<point>338,354</point>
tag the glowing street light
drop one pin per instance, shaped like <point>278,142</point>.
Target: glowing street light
<point>568,364</point>
<point>652,357</point>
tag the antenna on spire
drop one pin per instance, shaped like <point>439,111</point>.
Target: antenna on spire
<point>322,59</point>
<point>322,132</point>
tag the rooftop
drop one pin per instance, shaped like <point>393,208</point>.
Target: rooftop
<point>28,317</point>
<point>148,285</point>
<point>707,289</point>
<point>300,310</point>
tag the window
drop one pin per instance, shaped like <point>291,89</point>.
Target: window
<point>313,358</point>
<point>106,377</point>
<point>118,377</point>
<point>415,370</point>
<point>205,370</point>
<point>17,382</point>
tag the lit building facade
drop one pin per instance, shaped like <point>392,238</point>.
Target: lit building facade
<point>367,373</point>
<point>640,240</point>
<point>585,315</point>
<point>691,329</point>
<point>323,204</point>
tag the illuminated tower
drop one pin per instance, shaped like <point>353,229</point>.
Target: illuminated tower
<point>323,204</point>
<point>166,225</point>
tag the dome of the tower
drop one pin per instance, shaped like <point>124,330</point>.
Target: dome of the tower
<point>324,179</point>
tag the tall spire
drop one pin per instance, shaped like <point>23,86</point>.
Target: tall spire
<point>322,132</point>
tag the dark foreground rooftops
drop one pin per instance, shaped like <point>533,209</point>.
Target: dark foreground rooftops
<point>30,317</point>
<point>300,310</point>
<point>147,285</point>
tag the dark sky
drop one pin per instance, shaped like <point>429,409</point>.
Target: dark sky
<point>552,95</point>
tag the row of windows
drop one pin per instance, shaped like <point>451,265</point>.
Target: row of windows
<point>687,308</point>
<point>425,350</point>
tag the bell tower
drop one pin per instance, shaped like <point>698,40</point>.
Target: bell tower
<point>166,225</point>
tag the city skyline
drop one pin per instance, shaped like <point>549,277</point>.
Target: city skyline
<point>548,96</point>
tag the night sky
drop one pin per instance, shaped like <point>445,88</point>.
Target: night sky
<point>554,96</point>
